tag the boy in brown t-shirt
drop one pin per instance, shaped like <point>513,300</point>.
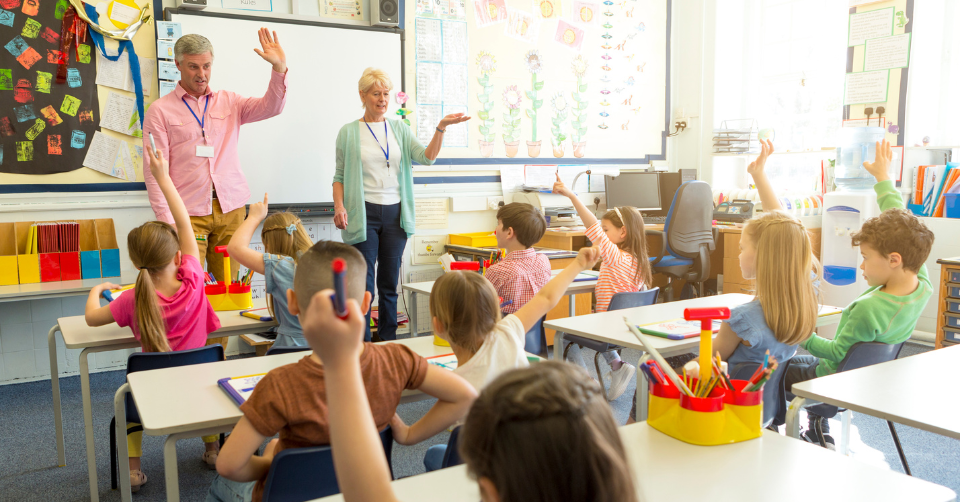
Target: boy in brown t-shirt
<point>292,399</point>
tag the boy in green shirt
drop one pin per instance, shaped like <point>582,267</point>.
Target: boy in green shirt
<point>894,247</point>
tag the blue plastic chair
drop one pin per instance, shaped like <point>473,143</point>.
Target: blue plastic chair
<point>536,339</point>
<point>451,457</point>
<point>618,302</point>
<point>299,474</point>
<point>687,237</point>
<point>774,404</point>
<point>145,361</point>
<point>860,355</point>
<point>274,350</point>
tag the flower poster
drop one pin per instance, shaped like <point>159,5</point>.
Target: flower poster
<point>522,26</point>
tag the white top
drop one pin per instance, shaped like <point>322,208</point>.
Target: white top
<point>381,185</point>
<point>501,351</point>
<point>666,469</point>
<point>909,391</point>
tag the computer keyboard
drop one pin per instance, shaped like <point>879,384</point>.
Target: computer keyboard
<point>654,220</point>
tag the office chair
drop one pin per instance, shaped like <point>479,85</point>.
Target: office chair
<point>687,237</point>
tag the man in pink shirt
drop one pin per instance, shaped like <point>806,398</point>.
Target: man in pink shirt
<point>197,129</point>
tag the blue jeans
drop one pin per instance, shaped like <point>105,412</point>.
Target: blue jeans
<point>225,490</point>
<point>383,248</point>
<point>433,459</point>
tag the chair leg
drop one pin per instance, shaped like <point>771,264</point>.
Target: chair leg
<point>818,430</point>
<point>113,454</point>
<point>793,417</point>
<point>896,440</point>
<point>845,432</point>
<point>566,349</point>
<point>596,364</point>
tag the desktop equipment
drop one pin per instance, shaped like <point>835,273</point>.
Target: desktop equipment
<point>650,192</point>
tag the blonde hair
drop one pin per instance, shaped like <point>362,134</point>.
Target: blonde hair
<point>784,287</point>
<point>636,240</point>
<point>545,434</point>
<point>276,240</point>
<point>374,77</point>
<point>467,306</point>
<point>152,246</point>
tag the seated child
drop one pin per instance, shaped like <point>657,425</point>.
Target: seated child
<point>284,240</point>
<point>292,400</point>
<point>894,247</point>
<point>523,271</point>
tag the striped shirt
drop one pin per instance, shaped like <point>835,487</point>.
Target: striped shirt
<point>518,277</point>
<point>617,268</point>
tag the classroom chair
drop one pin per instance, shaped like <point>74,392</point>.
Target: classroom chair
<point>299,474</point>
<point>536,342</point>
<point>860,355</point>
<point>274,350</point>
<point>618,302</point>
<point>774,401</point>
<point>687,237</point>
<point>144,361</point>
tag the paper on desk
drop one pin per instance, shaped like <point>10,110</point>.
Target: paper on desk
<point>540,176</point>
<point>120,114</point>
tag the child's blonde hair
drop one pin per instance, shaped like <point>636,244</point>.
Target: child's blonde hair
<point>545,434</point>
<point>467,306</point>
<point>283,234</point>
<point>636,241</point>
<point>784,285</point>
<point>152,246</point>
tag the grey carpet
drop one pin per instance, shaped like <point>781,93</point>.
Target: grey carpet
<point>28,462</point>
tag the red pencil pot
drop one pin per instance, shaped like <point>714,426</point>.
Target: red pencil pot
<point>747,406</point>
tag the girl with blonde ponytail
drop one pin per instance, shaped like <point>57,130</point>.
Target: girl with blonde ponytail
<point>167,309</point>
<point>284,240</point>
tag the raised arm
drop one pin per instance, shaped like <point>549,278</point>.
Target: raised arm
<point>767,196</point>
<point>160,169</point>
<point>271,104</point>
<point>586,215</point>
<point>454,398</point>
<point>154,127</point>
<point>550,295</point>
<point>239,246</point>
<point>433,149</point>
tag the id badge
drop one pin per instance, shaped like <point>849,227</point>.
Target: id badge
<point>204,151</point>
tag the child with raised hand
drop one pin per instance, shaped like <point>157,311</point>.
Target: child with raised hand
<point>518,439</point>
<point>625,267</point>
<point>894,247</point>
<point>523,271</point>
<point>284,240</point>
<point>167,309</point>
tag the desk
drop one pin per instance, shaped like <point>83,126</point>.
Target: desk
<point>898,391</point>
<point>609,327</point>
<point>77,335</point>
<point>424,288</point>
<point>186,402</point>
<point>59,289</point>
<point>712,473</point>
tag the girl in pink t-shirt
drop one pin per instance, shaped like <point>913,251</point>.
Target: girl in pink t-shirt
<point>167,309</point>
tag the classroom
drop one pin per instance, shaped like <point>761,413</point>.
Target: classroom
<point>766,191</point>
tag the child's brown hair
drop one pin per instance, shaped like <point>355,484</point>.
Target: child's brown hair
<point>636,240</point>
<point>527,223</point>
<point>315,271</point>
<point>467,306</point>
<point>545,434</point>
<point>152,246</point>
<point>897,231</point>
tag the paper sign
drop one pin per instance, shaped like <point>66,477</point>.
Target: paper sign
<point>117,74</point>
<point>866,87</point>
<point>511,178</point>
<point>428,248</point>
<point>548,9</point>
<point>166,86</point>
<point>867,25</point>
<point>122,15</point>
<point>523,26</point>
<point>428,39</point>
<point>455,42</point>
<point>431,213</point>
<point>265,5</point>
<point>165,49</point>
<point>886,53</point>
<point>586,13</point>
<point>117,114</point>
<point>343,9</point>
<point>489,12</point>
<point>568,35</point>
<point>168,30</point>
<point>168,70</point>
<point>540,176</point>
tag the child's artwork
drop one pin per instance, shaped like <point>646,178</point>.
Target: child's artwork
<point>586,13</point>
<point>569,35</point>
<point>489,12</point>
<point>522,26</point>
<point>548,9</point>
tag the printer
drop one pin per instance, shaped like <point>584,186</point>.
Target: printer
<point>556,209</point>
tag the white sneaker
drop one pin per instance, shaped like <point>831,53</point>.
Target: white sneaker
<point>619,380</point>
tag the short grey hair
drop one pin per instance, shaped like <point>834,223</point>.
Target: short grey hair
<point>192,44</point>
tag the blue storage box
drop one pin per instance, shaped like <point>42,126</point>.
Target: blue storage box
<point>89,250</point>
<point>952,321</point>
<point>109,251</point>
<point>953,306</point>
<point>951,205</point>
<point>951,335</point>
<point>953,290</point>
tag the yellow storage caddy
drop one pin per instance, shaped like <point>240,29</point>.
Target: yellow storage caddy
<point>723,417</point>
<point>233,296</point>
<point>475,239</point>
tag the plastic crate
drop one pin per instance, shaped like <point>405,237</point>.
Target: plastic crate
<point>951,335</point>
<point>475,239</point>
<point>953,290</point>
<point>951,205</point>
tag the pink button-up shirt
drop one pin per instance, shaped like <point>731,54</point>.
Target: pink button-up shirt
<point>177,134</point>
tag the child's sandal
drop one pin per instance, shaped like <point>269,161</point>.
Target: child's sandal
<point>137,479</point>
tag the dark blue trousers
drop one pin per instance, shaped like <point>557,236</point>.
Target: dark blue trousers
<point>383,251</point>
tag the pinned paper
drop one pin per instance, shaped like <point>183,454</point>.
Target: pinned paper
<point>168,30</point>
<point>51,115</point>
<point>165,49</point>
<point>36,129</point>
<point>29,58</point>
<point>30,29</point>
<point>53,145</point>
<point>568,35</point>
<point>24,151</point>
<point>24,113</point>
<point>31,7</point>
<point>122,15</point>
<point>83,53</point>
<point>78,139</point>
<point>16,46</point>
<point>168,70</point>
<point>73,77</point>
<point>586,13</point>
<point>44,81</point>
<point>50,35</point>
<point>110,156</point>
<point>6,80</point>
<point>523,26</point>
<point>118,114</point>
<point>70,105</point>
<point>548,9</point>
<point>6,128</point>
<point>22,92</point>
<point>166,86</point>
<point>116,74</point>
<point>6,18</point>
<point>489,12</point>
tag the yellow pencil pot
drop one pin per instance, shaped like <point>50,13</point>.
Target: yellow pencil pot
<point>232,297</point>
<point>440,342</point>
<point>723,417</point>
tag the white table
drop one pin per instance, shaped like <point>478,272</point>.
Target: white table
<point>77,335</point>
<point>424,288</point>
<point>609,327</point>
<point>186,402</point>
<point>668,470</point>
<point>907,391</point>
<point>59,289</point>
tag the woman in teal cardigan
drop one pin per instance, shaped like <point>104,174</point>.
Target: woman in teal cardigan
<point>373,190</point>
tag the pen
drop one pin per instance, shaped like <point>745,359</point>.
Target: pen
<point>340,287</point>
<point>153,144</point>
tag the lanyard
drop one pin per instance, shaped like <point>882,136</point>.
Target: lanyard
<point>386,153</point>
<point>202,118</point>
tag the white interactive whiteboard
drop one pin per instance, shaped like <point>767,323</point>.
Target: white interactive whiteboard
<point>293,156</point>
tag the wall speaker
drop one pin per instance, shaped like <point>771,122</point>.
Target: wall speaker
<point>385,13</point>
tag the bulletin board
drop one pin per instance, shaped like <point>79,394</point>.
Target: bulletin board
<point>71,112</point>
<point>572,81</point>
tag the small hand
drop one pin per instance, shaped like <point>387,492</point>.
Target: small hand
<point>159,166</point>
<point>401,431</point>
<point>587,257</point>
<point>757,165</point>
<point>335,340</point>
<point>258,210</point>
<point>272,51</point>
<point>453,118</point>
<point>340,217</point>
<point>270,450</point>
<point>560,188</point>
<point>100,288</point>
<point>881,164</point>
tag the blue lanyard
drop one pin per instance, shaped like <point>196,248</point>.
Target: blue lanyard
<point>200,120</point>
<point>386,153</point>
